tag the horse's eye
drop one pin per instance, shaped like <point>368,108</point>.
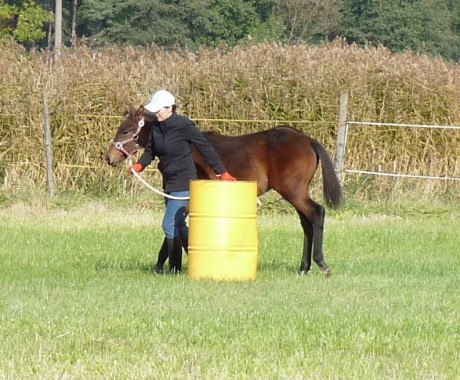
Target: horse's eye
<point>125,131</point>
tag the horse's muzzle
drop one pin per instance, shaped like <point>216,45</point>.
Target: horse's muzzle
<point>114,156</point>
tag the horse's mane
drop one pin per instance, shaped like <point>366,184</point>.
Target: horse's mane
<point>213,133</point>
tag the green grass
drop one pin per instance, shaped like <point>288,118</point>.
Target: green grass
<point>78,301</point>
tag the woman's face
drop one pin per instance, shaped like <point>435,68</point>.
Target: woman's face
<point>164,113</point>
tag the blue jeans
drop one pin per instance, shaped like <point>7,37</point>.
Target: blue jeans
<point>174,218</point>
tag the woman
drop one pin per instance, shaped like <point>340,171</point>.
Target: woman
<point>171,140</point>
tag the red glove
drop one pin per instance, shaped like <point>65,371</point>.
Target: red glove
<point>227,177</point>
<point>137,167</point>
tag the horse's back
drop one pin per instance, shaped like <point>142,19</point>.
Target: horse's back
<point>259,148</point>
<point>283,136</point>
<point>273,138</point>
<point>269,157</point>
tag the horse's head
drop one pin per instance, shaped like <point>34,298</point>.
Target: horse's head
<point>132,133</point>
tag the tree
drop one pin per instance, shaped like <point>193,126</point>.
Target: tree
<point>30,28</point>
<point>440,33</point>
<point>141,22</point>
<point>73,33</point>
<point>227,21</point>
<point>184,23</point>
<point>424,26</point>
<point>394,24</point>
<point>24,21</point>
<point>269,25</point>
<point>309,20</point>
<point>7,15</point>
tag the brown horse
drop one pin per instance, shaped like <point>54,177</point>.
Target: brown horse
<point>282,158</point>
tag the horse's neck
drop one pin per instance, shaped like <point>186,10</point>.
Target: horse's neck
<point>144,134</point>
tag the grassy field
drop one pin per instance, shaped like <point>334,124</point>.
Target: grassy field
<point>78,301</point>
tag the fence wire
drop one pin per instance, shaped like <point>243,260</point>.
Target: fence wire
<point>376,124</point>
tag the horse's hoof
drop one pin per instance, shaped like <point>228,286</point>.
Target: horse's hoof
<point>327,272</point>
<point>158,270</point>
<point>302,272</point>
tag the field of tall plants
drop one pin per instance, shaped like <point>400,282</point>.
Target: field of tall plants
<point>233,91</point>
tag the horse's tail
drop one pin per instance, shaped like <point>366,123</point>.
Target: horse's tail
<point>331,185</point>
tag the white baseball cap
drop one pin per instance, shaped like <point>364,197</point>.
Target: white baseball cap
<point>160,99</point>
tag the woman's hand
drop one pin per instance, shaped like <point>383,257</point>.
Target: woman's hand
<point>227,177</point>
<point>137,167</point>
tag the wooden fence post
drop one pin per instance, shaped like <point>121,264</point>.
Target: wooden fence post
<point>341,137</point>
<point>48,146</point>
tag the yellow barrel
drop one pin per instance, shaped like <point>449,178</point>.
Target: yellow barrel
<point>223,238</point>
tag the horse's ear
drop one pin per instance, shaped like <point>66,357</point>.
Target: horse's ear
<point>140,110</point>
<point>129,112</point>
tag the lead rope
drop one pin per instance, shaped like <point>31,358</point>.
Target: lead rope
<point>136,174</point>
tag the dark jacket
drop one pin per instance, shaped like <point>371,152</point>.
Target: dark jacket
<point>171,142</point>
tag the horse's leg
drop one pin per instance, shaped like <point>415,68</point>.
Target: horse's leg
<point>307,227</point>
<point>318,229</point>
<point>312,220</point>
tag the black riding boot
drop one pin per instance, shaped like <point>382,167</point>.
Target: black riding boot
<point>174,255</point>
<point>162,257</point>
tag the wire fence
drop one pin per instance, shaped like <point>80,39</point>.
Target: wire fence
<point>404,125</point>
<point>402,175</point>
<point>348,124</point>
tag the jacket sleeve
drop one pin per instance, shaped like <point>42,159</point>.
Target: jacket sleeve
<point>148,154</point>
<point>197,138</point>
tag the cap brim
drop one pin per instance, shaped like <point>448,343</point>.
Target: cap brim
<point>152,107</point>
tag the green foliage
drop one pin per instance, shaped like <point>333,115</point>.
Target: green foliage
<point>309,20</point>
<point>187,24</point>
<point>270,30</point>
<point>424,26</point>
<point>7,14</point>
<point>236,17</point>
<point>31,22</point>
<point>441,31</point>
